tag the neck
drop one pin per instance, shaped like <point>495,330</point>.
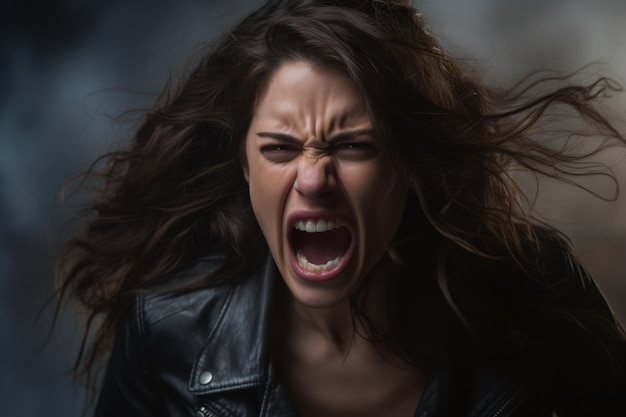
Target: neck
<point>335,325</point>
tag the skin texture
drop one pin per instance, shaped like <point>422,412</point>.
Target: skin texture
<point>311,152</point>
<point>301,162</point>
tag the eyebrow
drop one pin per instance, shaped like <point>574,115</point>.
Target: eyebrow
<point>338,138</point>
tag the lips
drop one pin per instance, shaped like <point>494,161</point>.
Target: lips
<point>320,247</point>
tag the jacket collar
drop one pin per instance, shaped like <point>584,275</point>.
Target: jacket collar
<point>236,352</point>
<point>236,356</point>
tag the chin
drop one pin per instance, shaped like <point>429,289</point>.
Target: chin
<point>316,295</point>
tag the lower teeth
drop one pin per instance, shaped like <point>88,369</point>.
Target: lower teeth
<point>305,264</point>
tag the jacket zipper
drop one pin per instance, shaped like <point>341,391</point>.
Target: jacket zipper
<point>510,406</point>
<point>205,412</point>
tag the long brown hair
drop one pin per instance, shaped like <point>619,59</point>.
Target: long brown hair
<point>177,189</point>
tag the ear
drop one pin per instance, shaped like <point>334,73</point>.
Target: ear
<point>246,171</point>
<point>244,167</point>
<point>243,159</point>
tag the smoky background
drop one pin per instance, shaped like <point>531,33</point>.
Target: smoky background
<point>69,70</point>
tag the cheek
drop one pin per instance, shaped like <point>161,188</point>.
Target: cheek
<point>261,200</point>
<point>268,189</point>
<point>381,200</point>
<point>390,208</point>
<point>374,187</point>
<point>256,186</point>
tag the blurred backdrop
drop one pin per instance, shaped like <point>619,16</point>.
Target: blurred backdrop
<point>69,69</point>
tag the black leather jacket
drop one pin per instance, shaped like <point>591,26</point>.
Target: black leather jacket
<point>205,353</point>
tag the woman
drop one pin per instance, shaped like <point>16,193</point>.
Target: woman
<point>319,220</point>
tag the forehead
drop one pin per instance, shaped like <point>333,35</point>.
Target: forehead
<point>303,89</point>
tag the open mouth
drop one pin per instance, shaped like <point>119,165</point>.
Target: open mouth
<point>320,245</point>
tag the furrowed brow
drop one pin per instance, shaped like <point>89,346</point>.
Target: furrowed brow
<point>338,138</point>
<point>345,136</point>
<point>283,137</point>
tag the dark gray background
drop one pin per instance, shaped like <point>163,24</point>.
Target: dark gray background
<point>67,67</point>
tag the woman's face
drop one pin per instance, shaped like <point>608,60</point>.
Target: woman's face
<point>323,191</point>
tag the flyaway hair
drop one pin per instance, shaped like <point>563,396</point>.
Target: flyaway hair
<point>177,189</point>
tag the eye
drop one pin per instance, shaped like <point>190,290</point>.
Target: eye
<point>355,150</point>
<point>356,146</point>
<point>279,152</point>
<point>277,148</point>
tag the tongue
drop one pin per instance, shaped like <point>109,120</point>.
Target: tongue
<point>322,247</point>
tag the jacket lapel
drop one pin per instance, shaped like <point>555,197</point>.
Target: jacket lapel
<point>236,352</point>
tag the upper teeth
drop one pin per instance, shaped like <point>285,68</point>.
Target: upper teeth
<point>317,225</point>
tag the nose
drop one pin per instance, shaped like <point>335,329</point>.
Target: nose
<point>316,177</point>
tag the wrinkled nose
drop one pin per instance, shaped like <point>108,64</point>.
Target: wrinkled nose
<point>316,177</point>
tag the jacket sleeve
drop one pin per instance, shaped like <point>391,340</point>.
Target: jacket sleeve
<point>588,340</point>
<point>129,387</point>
